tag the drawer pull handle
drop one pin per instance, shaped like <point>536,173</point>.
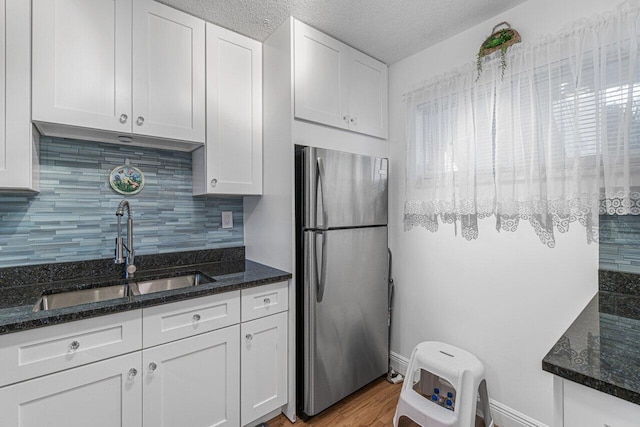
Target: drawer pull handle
<point>133,372</point>
<point>152,366</point>
<point>267,301</point>
<point>249,337</point>
<point>196,317</point>
<point>74,345</point>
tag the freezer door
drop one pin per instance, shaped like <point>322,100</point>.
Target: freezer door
<point>345,313</point>
<point>344,190</point>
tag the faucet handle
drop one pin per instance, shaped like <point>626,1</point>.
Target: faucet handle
<point>131,269</point>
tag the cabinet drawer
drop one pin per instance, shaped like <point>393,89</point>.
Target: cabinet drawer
<point>170,322</point>
<point>264,300</point>
<point>37,352</point>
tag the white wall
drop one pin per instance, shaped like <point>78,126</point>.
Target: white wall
<point>505,297</point>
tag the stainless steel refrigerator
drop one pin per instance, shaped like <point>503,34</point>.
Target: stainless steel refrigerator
<point>342,266</point>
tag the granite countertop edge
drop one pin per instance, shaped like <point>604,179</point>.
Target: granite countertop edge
<point>598,367</point>
<point>591,382</point>
<point>21,317</point>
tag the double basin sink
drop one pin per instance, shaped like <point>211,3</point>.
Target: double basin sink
<point>105,293</point>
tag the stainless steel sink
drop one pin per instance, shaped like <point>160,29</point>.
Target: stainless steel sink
<point>105,293</point>
<point>84,296</point>
<point>167,284</point>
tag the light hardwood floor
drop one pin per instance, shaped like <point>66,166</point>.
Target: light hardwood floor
<point>372,406</point>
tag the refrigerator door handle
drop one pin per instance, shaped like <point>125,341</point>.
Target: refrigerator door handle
<point>321,188</point>
<point>321,269</point>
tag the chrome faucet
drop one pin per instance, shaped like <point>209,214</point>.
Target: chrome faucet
<point>129,260</point>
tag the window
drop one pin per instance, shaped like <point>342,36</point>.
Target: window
<point>554,142</point>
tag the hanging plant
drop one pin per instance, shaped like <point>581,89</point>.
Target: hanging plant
<point>498,40</point>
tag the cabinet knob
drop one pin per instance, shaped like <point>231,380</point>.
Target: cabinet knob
<point>74,345</point>
<point>214,182</point>
<point>133,372</point>
<point>152,366</point>
<point>123,118</point>
<point>345,118</point>
<point>353,120</point>
<point>196,317</point>
<point>140,121</point>
<point>267,301</point>
<point>249,337</point>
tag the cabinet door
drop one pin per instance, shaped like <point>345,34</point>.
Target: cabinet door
<point>320,76</point>
<point>103,394</point>
<point>82,63</point>
<point>17,148</point>
<point>234,114</point>
<point>193,382</point>
<point>585,407</point>
<point>367,95</point>
<point>168,73</point>
<point>264,366</point>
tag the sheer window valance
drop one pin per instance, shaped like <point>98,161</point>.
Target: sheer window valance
<point>554,142</point>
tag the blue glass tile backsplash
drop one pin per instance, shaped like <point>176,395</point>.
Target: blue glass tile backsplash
<point>73,216</point>
<point>620,243</point>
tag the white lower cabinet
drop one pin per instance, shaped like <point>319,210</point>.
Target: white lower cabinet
<point>194,381</point>
<point>102,394</point>
<point>585,407</point>
<point>263,366</point>
<point>189,363</point>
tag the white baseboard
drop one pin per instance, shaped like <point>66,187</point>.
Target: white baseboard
<point>510,417</point>
<point>503,415</point>
<point>399,363</point>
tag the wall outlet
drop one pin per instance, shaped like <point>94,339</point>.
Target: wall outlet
<point>227,219</point>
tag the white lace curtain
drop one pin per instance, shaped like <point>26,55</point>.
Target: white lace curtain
<point>557,140</point>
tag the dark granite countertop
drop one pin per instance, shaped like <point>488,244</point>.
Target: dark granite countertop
<point>21,287</point>
<point>601,349</point>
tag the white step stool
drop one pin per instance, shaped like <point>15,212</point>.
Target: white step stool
<point>462,370</point>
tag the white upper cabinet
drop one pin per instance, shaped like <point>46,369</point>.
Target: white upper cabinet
<point>320,77</point>
<point>368,99</point>
<point>18,142</point>
<point>169,73</point>
<point>231,161</point>
<point>337,85</point>
<point>118,67</point>
<point>82,63</point>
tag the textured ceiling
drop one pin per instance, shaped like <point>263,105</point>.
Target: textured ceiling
<point>388,30</point>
